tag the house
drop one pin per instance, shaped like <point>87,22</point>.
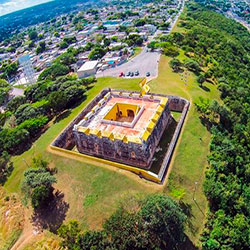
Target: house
<point>88,68</point>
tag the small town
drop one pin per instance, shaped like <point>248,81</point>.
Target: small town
<point>100,39</point>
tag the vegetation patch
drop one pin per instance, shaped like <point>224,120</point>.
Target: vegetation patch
<point>11,220</point>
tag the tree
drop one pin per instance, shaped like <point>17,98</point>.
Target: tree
<point>63,45</point>
<point>13,140</point>
<point>94,240</point>
<point>164,26</point>
<point>34,125</point>
<point>25,112</point>
<point>164,219</point>
<point>66,58</point>
<point>97,53</point>
<point>127,231</point>
<point>40,196</point>
<point>175,64</point>
<point>69,234</point>
<point>106,42</point>
<point>74,94</point>
<point>152,45</point>
<point>139,22</point>
<point>171,51</point>
<point>41,47</point>
<point>37,185</point>
<point>32,35</point>
<point>35,177</point>
<point>158,223</point>
<point>53,71</point>
<point>6,166</point>
<point>4,90</point>
<point>201,79</point>
<point>57,101</point>
<point>193,66</point>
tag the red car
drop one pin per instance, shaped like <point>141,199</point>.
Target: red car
<point>121,74</point>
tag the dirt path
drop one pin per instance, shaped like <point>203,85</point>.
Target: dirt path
<point>28,233</point>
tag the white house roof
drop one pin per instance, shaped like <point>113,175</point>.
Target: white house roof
<point>88,65</point>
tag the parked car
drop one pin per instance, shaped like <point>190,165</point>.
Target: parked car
<point>132,74</point>
<point>121,74</point>
<point>148,74</point>
<point>128,74</point>
<point>136,73</point>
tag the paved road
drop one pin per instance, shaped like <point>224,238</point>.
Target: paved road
<point>144,62</point>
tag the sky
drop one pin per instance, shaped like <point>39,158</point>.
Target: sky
<point>8,6</point>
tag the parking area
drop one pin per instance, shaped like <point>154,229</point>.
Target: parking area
<point>143,63</point>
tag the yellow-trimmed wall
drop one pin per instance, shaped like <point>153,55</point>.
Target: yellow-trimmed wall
<point>79,156</point>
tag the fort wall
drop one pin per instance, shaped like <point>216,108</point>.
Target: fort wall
<point>66,142</point>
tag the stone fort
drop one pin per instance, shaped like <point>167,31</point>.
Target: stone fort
<point>123,126</point>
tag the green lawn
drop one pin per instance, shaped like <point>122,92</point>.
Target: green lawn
<point>189,161</point>
<point>93,192</point>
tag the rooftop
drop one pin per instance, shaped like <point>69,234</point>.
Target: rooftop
<point>128,117</point>
<point>88,65</point>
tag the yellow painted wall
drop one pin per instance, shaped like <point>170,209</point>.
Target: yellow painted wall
<point>123,107</point>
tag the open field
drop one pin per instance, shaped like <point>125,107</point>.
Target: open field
<point>93,193</point>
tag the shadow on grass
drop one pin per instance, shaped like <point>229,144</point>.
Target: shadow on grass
<point>205,88</point>
<point>51,217</point>
<point>162,147</point>
<point>63,115</point>
<point>187,245</point>
<point>187,209</point>
<point>206,123</point>
<point>90,86</point>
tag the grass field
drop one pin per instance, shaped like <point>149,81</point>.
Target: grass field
<point>93,193</point>
<point>189,161</point>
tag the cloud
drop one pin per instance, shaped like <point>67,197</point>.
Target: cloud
<point>14,5</point>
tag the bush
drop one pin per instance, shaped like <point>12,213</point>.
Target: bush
<point>193,66</point>
<point>171,51</point>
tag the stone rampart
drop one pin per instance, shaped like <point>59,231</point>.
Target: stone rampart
<point>65,139</point>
